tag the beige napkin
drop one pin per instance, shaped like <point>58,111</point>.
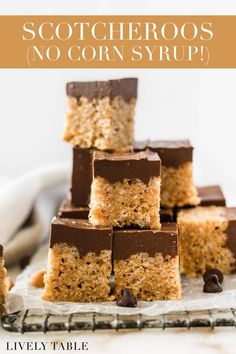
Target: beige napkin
<point>26,240</point>
<point>22,226</point>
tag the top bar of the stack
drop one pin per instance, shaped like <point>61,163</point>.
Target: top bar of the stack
<point>101,114</point>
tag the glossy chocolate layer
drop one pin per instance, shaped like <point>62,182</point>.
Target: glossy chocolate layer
<point>126,88</point>
<point>211,195</point>
<point>231,230</point>
<point>69,211</point>
<point>81,176</point>
<point>1,250</point>
<point>173,153</point>
<point>129,242</point>
<point>116,167</point>
<point>81,234</point>
<point>167,215</point>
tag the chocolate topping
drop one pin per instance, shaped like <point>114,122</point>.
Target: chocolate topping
<point>167,215</point>
<point>126,88</point>
<point>211,195</point>
<point>81,176</point>
<point>1,250</point>
<point>231,230</point>
<point>173,153</point>
<point>68,210</point>
<point>81,234</point>
<point>116,167</point>
<point>129,242</point>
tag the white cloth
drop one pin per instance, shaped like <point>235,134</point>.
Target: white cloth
<point>25,241</point>
<point>17,202</point>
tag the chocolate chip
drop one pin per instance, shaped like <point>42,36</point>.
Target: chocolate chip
<point>213,271</point>
<point>212,285</point>
<point>127,299</point>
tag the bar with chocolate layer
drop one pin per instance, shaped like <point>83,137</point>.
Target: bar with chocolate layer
<point>69,211</point>
<point>3,282</point>
<point>81,176</point>
<point>126,190</point>
<point>147,262</point>
<point>177,186</point>
<point>211,195</point>
<point>101,113</point>
<point>207,238</point>
<point>79,261</point>
<point>173,153</point>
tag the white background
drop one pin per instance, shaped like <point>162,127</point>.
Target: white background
<point>198,104</point>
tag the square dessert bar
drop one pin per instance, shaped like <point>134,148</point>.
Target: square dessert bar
<point>147,262</point>
<point>69,211</point>
<point>167,215</point>
<point>126,190</point>
<point>81,176</point>
<point>79,264</point>
<point>177,186</point>
<point>207,237</point>
<point>3,285</point>
<point>101,113</point>
<point>211,195</point>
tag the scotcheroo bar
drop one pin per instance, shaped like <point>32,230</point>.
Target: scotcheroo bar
<point>207,238</point>
<point>147,262</point>
<point>177,186</point>
<point>3,284</point>
<point>79,265</point>
<point>81,176</point>
<point>126,190</point>
<point>69,211</point>
<point>211,195</point>
<point>101,113</point>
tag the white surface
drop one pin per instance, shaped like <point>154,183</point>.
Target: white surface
<point>108,7</point>
<point>177,341</point>
<point>25,296</point>
<point>205,341</point>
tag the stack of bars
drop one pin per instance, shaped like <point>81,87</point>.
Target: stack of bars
<point>132,208</point>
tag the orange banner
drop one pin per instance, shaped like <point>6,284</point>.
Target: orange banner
<point>118,41</point>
